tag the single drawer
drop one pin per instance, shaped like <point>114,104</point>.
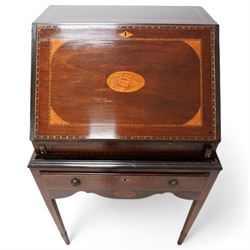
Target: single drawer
<point>90,182</point>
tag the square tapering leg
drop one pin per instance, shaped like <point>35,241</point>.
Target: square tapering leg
<point>196,207</point>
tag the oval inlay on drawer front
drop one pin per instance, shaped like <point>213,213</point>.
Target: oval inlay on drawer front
<point>124,194</point>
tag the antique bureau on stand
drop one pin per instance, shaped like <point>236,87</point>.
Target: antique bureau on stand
<point>125,104</point>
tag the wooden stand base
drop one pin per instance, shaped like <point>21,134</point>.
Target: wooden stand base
<point>124,180</point>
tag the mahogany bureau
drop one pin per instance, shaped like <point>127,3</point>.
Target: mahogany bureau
<point>125,103</point>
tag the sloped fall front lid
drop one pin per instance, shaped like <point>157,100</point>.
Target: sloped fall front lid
<point>125,82</point>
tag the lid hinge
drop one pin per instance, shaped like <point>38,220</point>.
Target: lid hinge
<point>42,150</point>
<point>208,153</point>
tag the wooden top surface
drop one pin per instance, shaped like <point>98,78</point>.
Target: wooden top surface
<point>67,14</point>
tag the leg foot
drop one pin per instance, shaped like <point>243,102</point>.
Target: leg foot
<point>65,238</point>
<point>181,239</point>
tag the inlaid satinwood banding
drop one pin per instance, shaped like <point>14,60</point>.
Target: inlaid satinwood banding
<point>158,137</point>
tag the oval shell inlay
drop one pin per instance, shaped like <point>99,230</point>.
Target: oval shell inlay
<point>125,81</point>
<point>125,194</point>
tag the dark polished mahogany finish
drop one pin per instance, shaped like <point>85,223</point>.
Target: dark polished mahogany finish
<point>74,99</point>
<point>164,86</point>
<point>125,103</point>
<point>60,178</point>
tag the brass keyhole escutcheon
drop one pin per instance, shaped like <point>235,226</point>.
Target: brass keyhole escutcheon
<point>126,34</point>
<point>75,182</point>
<point>173,182</point>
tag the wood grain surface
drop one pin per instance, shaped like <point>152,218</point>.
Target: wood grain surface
<point>177,100</point>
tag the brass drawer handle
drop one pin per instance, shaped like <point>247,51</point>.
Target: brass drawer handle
<point>173,182</point>
<point>75,182</point>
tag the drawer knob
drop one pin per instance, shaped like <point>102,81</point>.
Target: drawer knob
<point>173,182</point>
<point>75,182</point>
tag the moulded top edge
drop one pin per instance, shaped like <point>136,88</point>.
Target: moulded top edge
<point>61,14</point>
